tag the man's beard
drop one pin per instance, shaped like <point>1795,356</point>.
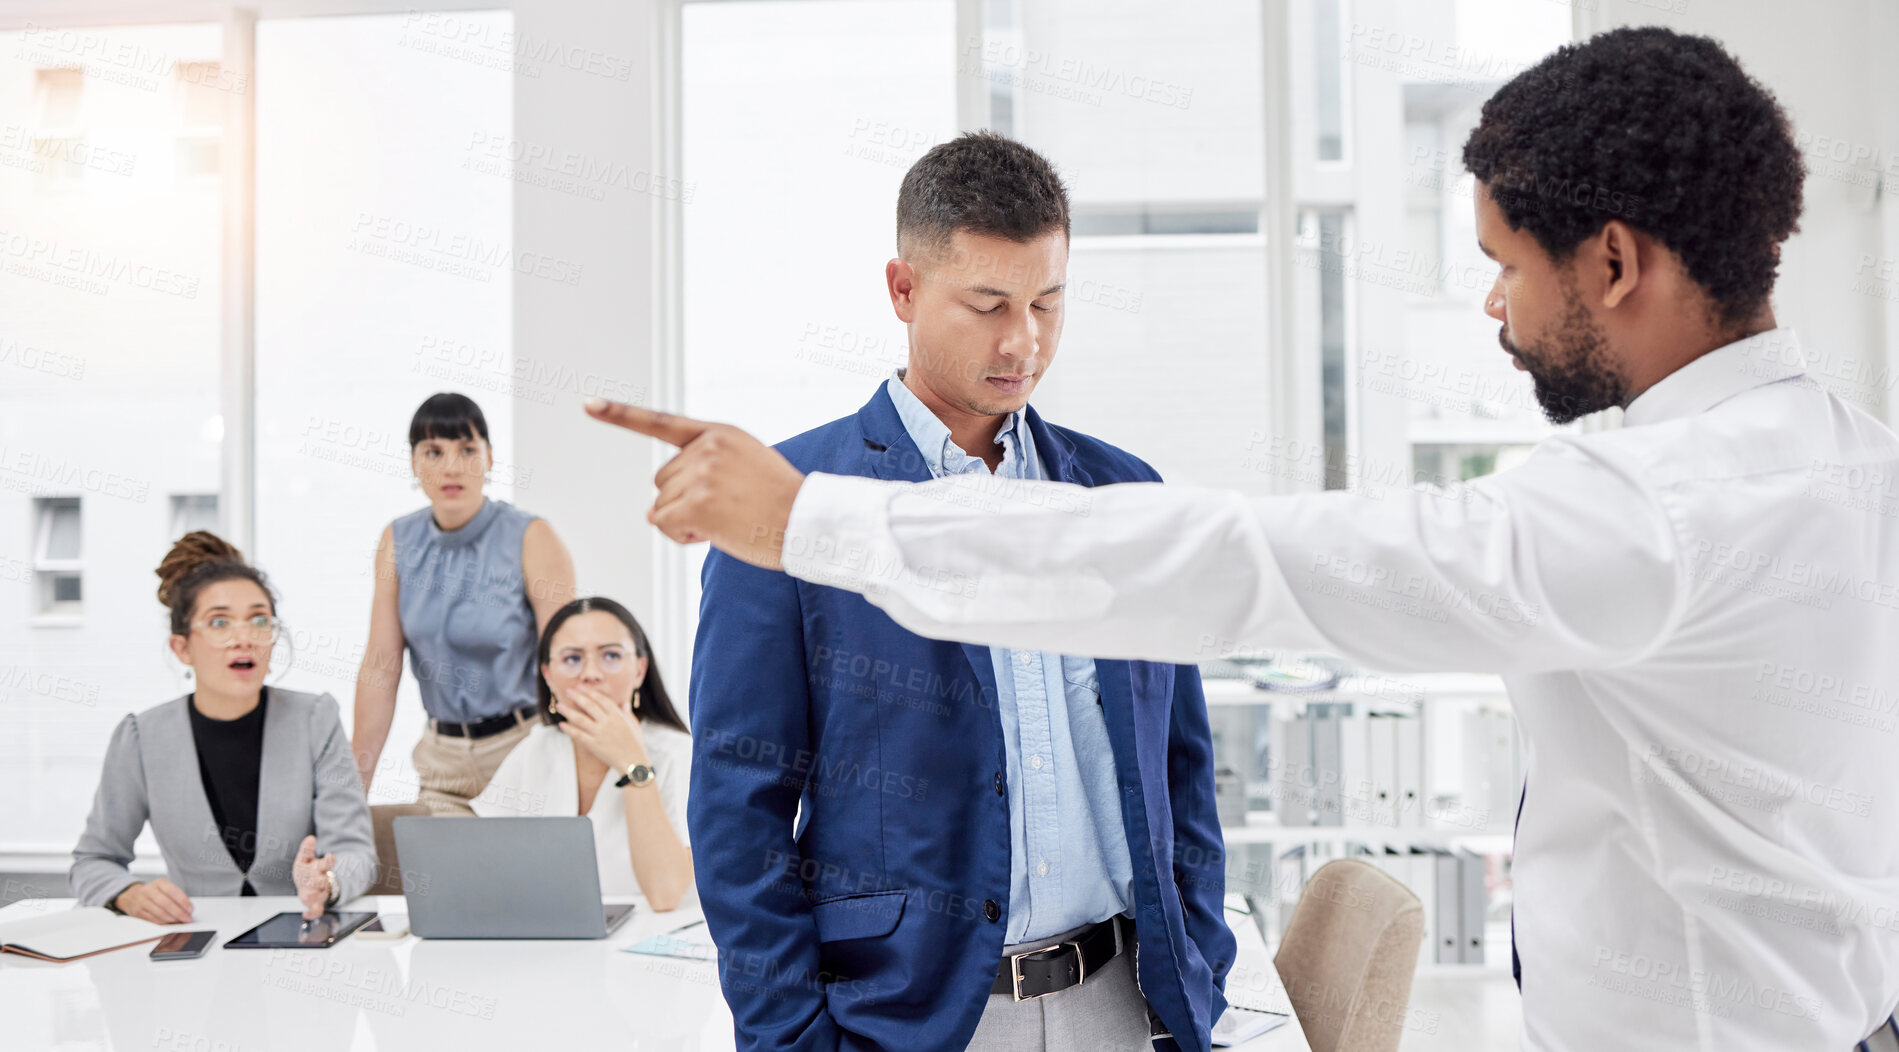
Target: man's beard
<point>1571,370</point>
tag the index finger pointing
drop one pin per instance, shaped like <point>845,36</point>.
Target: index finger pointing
<point>678,430</point>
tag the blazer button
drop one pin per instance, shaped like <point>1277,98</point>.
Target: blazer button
<point>991,911</point>
<point>999,785</point>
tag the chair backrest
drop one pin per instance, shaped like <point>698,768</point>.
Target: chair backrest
<point>388,868</point>
<point>1348,956</point>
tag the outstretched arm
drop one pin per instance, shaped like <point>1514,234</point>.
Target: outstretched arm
<point>1565,562</point>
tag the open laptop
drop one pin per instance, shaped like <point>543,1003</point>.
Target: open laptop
<point>503,878</point>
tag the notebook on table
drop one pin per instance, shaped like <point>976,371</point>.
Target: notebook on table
<point>71,934</point>
<point>1239,1025</point>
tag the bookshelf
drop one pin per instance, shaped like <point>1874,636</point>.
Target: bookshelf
<point>1312,776</point>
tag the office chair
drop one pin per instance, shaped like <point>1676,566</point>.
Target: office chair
<point>388,869</point>
<point>1348,957</point>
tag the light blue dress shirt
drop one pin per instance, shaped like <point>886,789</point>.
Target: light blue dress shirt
<point>1068,851</point>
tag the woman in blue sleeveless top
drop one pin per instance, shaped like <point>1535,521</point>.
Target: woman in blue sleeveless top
<point>464,586</point>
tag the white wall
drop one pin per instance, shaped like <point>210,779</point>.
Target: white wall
<point>385,252</point>
<point>1829,62</point>
<point>591,101</point>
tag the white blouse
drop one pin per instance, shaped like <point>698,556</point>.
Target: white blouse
<point>538,778</point>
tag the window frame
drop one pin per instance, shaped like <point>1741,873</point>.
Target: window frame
<point>48,571</point>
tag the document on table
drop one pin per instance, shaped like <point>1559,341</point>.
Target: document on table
<point>1239,1025</point>
<point>691,941</point>
<point>69,934</point>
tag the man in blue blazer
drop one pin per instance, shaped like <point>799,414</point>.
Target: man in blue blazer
<point>914,845</point>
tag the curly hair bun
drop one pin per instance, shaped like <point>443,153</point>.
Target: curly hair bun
<point>191,551</point>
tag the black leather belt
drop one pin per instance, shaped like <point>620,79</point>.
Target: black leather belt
<point>487,728</point>
<point>1061,965</point>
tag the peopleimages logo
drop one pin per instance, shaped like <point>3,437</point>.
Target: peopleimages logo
<point>51,260</point>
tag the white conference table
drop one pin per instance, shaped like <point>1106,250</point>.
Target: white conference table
<point>387,995</point>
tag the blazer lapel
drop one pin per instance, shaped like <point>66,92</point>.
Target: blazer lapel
<point>1058,456</point>
<point>890,453</point>
<point>1117,710</point>
<point>278,815</point>
<point>172,748</point>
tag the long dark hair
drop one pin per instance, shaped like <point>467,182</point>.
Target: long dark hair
<point>196,561</point>
<point>656,706</point>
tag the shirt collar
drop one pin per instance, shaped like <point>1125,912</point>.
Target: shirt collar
<point>940,452</point>
<point>1717,376</point>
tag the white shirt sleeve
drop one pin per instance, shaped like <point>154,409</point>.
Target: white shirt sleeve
<point>1568,561</point>
<point>671,753</point>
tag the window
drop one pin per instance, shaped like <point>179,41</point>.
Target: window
<point>1390,286</point>
<point>57,138</point>
<point>1323,233</point>
<point>200,88</point>
<point>799,162</point>
<point>191,512</point>
<point>1328,81</point>
<point>56,555</point>
<point>60,91</point>
<point>1154,115</point>
<point>110,391</point>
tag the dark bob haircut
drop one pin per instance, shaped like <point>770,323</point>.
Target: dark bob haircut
<point>656,705</point>
<point>447,415</point>
<point>1661,130</point>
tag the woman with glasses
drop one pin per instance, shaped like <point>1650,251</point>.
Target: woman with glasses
<point>250,790</point>
<point>611,747</point>
<point>463,587</point>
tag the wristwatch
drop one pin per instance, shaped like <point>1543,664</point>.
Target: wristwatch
<point>336,891</point>
<point>636,774</point>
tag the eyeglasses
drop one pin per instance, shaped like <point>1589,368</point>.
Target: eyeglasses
<point>222,631</point>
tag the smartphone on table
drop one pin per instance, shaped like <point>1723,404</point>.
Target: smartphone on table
<point>183,945</point>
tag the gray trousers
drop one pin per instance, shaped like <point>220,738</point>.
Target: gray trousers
<point>1106,1013</point>
<point>1885,1039</point>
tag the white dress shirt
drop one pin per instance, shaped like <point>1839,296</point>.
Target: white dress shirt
<point>1697,618</point>
<point>539,777</point>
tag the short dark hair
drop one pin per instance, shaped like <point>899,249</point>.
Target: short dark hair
<point>656,703</point>
<point>983,183</point>
<point>1659,129</point>
<point>447,415</point>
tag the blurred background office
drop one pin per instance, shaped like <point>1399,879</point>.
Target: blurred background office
<point>239,243</point>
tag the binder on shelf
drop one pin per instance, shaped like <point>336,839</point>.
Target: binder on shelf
<point>1419,868</point>
<point>1329,803</point>
<point>1408,747</point>
<point>1472,915</point>
<point>1355,777</point>
<point>1449,899</point>
<point>1292,772</point>
<point>1289,883</point>
<point>1381,745</point>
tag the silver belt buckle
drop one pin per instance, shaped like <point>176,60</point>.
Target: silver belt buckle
<point>1015,968</point>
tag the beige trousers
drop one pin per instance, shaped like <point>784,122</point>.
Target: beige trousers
<point>452,771</point>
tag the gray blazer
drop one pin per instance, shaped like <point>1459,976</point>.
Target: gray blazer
<point>309,785</point>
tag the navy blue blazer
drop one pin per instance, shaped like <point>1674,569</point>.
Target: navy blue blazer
<point>878,922</point>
